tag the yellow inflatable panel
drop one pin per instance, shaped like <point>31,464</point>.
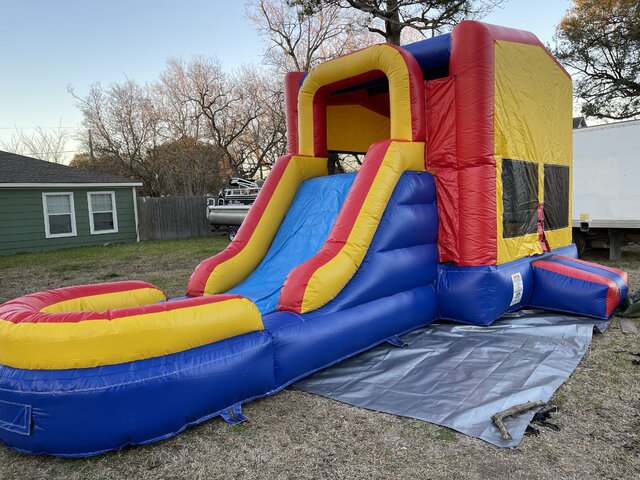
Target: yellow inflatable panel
<point>532,123</point>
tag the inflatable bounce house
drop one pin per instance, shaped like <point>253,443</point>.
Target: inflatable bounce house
<point>461,211</point>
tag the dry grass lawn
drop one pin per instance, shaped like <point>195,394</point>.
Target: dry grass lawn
<point>298,435</point>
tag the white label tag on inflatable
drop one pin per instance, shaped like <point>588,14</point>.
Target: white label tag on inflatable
<point>516,279</point>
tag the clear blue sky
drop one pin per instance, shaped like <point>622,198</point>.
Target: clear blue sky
<point>49,44</point>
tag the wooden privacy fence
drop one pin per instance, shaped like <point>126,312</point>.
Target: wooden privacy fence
<point>165,218</point>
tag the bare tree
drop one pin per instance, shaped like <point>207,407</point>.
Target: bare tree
<point>179,114</point>
<point>125,127</point>
<point>389,18</point>
<point>225,104</point>
<point>188,167</point>
<point>265,138</point>
<point>189,131</point>
<point>49,145</point>
<point>300,41</point>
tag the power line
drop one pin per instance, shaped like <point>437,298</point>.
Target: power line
<point>36,128</point>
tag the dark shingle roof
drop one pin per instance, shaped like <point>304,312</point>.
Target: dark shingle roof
<point>20,169</point>
<point>579,122</point>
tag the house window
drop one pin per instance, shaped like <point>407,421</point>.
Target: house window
<point>59,215</point>
<point>103,216</point>
<point>519,198</point>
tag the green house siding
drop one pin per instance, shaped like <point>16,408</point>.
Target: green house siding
<point>22,227</point>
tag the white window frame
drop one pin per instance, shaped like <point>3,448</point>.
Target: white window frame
<point>114,211</point>
<point>45,212</point>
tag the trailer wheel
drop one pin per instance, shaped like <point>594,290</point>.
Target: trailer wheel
<point>232,233</point>
<point>581,242</point>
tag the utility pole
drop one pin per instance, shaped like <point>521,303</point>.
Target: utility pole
<point>93,158</point>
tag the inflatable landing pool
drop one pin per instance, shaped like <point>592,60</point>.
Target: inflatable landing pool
<point>326,266</point>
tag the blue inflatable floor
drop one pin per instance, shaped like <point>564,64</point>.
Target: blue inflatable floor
<point>302,233</point>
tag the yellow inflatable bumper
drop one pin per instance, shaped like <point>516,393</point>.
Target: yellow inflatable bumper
<point>93,325</point>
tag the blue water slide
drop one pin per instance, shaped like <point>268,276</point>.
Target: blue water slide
<point>302,233</point>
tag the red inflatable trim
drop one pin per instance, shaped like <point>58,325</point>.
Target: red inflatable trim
<point>37,301</point>
<point>199,278</point>
<point>291,89</point>
<point>441,159</point>
<point>416,96</point>
<point>296,282</point>
<point>472,64</point>
<point>621,273</point>
<point>41,300</point>
<point>27,309</point>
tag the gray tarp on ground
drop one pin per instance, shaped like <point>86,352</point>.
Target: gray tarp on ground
<point>459,375</point>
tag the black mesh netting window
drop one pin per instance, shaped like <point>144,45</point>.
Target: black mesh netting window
<point>519,198</point>
<point>556,196</point>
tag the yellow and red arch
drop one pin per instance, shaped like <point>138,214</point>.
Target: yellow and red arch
<point>366,200</point>
<point>406,94</point>
<point>314,283</point>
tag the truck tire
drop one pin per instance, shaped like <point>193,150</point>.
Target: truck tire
<point>581,242</point>
<point>232,233</point>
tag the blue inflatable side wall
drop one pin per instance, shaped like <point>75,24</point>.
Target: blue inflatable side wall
<point>574,286</point>
<point>393,291</point>
<point>84,412</point>
<point>481,295</point>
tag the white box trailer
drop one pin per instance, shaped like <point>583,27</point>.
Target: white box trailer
<point>606,186</point>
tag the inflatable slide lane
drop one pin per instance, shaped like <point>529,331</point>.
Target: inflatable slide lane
<point>460,211</point>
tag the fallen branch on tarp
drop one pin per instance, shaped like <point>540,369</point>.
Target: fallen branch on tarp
<point>512,411</point>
